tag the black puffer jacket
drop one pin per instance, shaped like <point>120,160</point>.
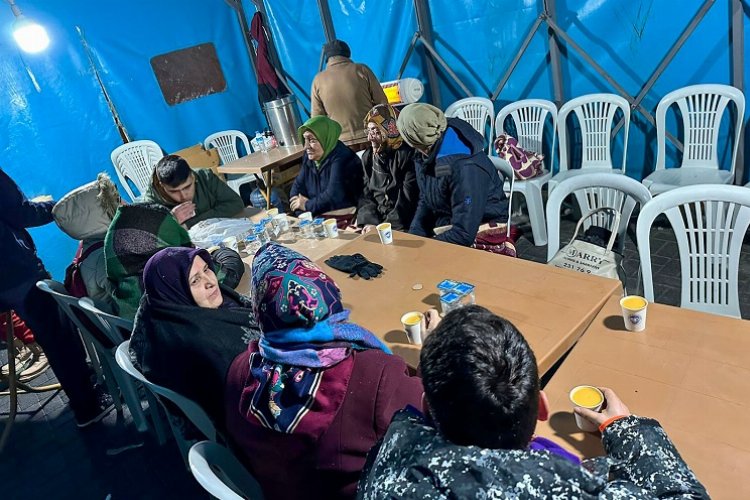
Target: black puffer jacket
<point>415,461</point>
<point>458,185</point>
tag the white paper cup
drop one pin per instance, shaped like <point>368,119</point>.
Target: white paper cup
<point>581,422</point>
<point>385,233</point>
<point>634,309</point>
<point>272,212</point>
<point>305,216</point>
<point>332,228</point>
<point>281,221</point>
<point>412,322</point>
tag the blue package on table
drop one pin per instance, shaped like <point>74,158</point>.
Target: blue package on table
<point>449,301</point>
<point>463,288</point>
<point>446,286</point>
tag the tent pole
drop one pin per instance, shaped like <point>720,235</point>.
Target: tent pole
<point>326,20</point>
<point>550,14</point>
<point>445,66</point>
<point>424,29</point>
<point>738,78</point>
<point>408,54</point>
<point>517,58</point>
<point>245,27</point>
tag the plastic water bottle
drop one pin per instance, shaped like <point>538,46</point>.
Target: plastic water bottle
<point>259,141</point>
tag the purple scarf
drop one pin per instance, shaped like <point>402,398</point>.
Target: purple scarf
<point>165,276</point>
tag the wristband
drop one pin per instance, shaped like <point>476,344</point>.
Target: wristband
<point>609,421</point>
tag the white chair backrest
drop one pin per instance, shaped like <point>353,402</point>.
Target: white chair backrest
<point>102,338</point>
<point>225,143</point>
<point>596,114</point>
<point>118,328</point>
<point>221,474</point>
<point>529,117</point>
<point>701,108</point>
<point>709,223</point>
<point>135,161</point>
<point>476,111</point>
<point>192,411</point>
<point>595,190</point>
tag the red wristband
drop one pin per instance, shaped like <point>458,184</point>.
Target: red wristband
<point>609,421</point>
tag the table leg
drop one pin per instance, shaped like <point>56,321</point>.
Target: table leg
<point>269,180</point>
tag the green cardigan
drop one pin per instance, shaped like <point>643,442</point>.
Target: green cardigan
<point>213,198</point>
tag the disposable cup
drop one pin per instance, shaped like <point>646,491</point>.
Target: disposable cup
<point>634,309</point>
<point>385,233</point>
<point>331,227</point>
<point>281,221</point>
<point>230,242</point>
<point>586,396</point>
<point>305,216</point>
<point>272,212</point>
<point>412,322</point>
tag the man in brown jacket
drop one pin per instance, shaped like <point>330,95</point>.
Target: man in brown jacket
<point>345,92</point>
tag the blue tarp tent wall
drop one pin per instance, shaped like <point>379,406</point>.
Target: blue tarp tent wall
<point>59,130</point>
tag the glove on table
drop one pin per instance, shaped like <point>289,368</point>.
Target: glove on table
<point>355,265</point>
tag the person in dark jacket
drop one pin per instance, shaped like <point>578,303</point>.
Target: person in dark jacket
<point>391,192</point>
<point>307,402</point>
<point>21,268</point>
<point>458,184</point>
<point>475,438</point>
<point>189,328</point>
<point>331,174</point>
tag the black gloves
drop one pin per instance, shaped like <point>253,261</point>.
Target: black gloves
<point>355,264</point>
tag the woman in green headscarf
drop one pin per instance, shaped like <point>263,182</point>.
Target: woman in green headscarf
<point>331,174</point>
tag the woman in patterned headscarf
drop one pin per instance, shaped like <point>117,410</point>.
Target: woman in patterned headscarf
<point>307,402</point>
<point>391,192</point>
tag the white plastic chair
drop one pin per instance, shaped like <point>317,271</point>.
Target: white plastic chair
<point>529,118</point>
<point>709,223</point>
<point>221,474</point>
<point>701,108</point>
<point>225,143</point>
<point>595,190</point>
<point>190,409</point>
<point>135,161</point>
<point>596,115</point>
<point>476,111</point>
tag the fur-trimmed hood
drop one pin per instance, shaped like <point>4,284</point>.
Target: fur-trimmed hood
<point>86,212</point>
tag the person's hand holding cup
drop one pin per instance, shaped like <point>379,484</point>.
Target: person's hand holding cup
<point>184,211</point>
<point>430,321</point>
<point>589,419</point>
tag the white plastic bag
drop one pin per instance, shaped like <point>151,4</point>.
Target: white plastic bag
<point>213,231</point>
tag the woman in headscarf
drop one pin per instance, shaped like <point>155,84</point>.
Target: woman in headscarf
<point>307,402</point>
<point>458,184</point>
<point>189,328</point>
<point>391,192</point>
<point>331,174</point>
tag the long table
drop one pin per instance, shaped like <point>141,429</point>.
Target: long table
<point>262,163</point>
<point>689,370</point>
<point>551,306</point>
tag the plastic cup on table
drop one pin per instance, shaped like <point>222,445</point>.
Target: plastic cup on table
<point>590,397</point>
<point>412,322</point>
<point>281,221</point>
<point>385,233</point>
<point>305,216</point>
<point>332,228</point>
<point>634,309</point>
<point>272,212</point>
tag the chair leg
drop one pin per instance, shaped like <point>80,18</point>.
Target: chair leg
<point>536,214</point>
<point>11,384</point>
<point>130,395</point>
<point>157,418</point>
<point>111,382</point>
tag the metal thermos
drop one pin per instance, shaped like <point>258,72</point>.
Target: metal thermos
<point>283,118</point>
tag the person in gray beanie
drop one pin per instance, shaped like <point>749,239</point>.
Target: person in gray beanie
<point>458,184</point>
<point>345,92</point>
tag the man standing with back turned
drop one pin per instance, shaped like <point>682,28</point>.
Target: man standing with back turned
<point>345,92</point>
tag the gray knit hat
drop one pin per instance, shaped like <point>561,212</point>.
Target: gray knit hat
<point>336,48</point>
<point>421,124</point>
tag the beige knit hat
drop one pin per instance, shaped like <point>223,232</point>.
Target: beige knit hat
<point>421,124</point>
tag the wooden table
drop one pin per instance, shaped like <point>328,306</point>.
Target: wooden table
<point>551,306</point>
<point>263,163</point>
<point>689,370</point>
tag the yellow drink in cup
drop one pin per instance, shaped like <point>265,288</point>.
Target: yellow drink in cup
<point>412,322</point>
<point>586,396</point>
<point>634,309</point>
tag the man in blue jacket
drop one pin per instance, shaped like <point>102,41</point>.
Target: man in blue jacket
<point>458,184</point>
<point>20,269</point>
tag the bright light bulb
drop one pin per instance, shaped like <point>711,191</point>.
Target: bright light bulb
<point>31,37</point>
